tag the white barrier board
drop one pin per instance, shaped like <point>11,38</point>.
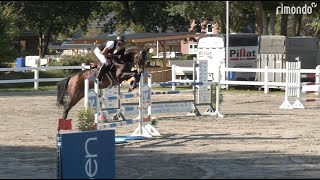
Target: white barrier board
<point>113,91</point>
<point>310,88</point>
<point>174,107</point>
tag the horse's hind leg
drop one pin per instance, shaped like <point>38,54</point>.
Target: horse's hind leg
<point>66,109</point>
<point>72,101</point>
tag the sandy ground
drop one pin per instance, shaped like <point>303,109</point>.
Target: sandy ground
<point>255,139</point>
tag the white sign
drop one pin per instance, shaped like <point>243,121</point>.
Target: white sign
<point>32,61</point>
<point>146,96</point>
<point>92,99</point>
<point>243,57</point>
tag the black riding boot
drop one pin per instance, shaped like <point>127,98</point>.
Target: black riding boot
<point>102,71</point>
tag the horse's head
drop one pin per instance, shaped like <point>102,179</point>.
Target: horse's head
<point>141,58</point>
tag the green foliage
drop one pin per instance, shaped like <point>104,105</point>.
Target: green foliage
<point>241,13</point>
<point>86,120</point>
<point>154,122</point>
<point>121,28</point>
<point>74,60</point>
<point>8,31</point>
<point>214,98</point>
<point>55,17</point>
<point>314,25</point>
<point>189,56</point>
<point>137,28</point>
<point>147,14</point>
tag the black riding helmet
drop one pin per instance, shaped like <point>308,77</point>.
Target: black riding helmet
<point>121,38</point>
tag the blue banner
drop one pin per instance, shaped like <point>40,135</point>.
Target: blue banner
<point>88,155</point>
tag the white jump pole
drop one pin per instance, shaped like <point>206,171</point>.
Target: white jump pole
<point>86,91</point>
<point>218,86</point>
<point>227,43</point>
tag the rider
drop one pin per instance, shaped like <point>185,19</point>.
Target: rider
<point>105,52</point>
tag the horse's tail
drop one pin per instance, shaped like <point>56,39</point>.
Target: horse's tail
<point>62,90</point>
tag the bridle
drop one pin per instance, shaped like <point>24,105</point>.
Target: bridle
<point>139,64</point>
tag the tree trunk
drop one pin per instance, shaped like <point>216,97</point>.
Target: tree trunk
<point>316,33</point>
<point>223,24</point>
<point>265,22</point>
<point>272,23</point>
<point>284,24</point>
<point>299,21</point>
<point>40,31</point>
<point>46,43</point>
<point>259,16</point>
<point>40,43</point>
<point>294,25</point>
<point>130,16</point>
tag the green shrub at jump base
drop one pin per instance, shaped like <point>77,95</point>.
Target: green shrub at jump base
<point>86,120</point>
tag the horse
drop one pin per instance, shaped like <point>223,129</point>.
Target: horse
<point>71,90</point>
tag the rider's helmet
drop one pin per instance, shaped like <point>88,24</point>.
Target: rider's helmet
<point>121,38</point>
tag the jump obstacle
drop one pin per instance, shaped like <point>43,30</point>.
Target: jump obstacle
<point>295,88</point>
<point>92,100</point>
<point>172,106</point>
<point>111,99</point>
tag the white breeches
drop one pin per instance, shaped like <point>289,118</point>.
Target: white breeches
<point>100,56</point>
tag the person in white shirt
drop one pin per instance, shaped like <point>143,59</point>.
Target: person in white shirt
<point>105,52</point>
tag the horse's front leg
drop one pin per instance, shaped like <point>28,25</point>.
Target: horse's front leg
<point>128,75</point>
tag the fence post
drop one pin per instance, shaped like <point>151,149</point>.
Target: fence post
<point>266,80</point>
<point>317,79</point>
<point>36,75</point>
<point>150,101</point>
<point>173,76</point>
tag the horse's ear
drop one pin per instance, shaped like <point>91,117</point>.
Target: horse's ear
<point>145,50</point>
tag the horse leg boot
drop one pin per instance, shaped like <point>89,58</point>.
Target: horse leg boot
<point>135,82</point>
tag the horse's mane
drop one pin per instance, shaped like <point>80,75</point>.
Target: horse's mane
<point>130,52</point>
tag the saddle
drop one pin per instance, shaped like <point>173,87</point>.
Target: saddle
<point>98,66</point>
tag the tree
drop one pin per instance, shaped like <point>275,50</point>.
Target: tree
<point>314,23</point>
<point>240,13</point>
<point>147,14</point>
<point>8,31</point>
<point>48,18</point>
<point>269,16</point>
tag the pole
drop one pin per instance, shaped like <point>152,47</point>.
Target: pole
<point>227,43</point>
<point>157,48</point>
<point>173,75</point>
<point>141,102</point>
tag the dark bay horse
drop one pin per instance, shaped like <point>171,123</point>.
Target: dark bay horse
<point>71,89</point>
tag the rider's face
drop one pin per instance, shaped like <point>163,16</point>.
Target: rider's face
<point>121,43</point>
